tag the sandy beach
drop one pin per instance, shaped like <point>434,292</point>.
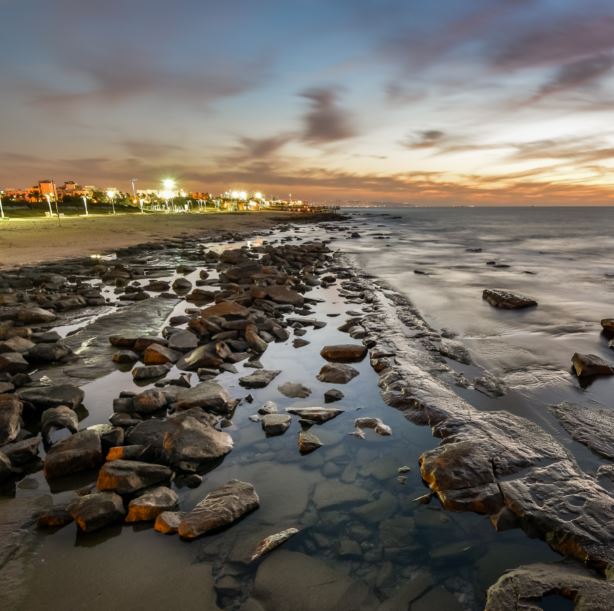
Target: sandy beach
<point>27,241</point>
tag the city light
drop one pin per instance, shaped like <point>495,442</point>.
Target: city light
<point>168,184</point>
<point>258,195</point>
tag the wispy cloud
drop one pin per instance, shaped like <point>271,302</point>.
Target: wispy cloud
<point>326,121</point>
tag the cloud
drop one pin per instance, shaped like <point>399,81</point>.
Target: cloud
<point>424,139</point>
<point>326,121</point>
<point>148,149</point>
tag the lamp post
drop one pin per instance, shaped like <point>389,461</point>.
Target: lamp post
<point>1,208</point>
<point>84,198</point>
<point>111,196</point>
<point>48,198</point>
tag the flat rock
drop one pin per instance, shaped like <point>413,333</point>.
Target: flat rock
<point>22,452</point>
<point>149,401</point>
<point>128,476</point>
<point>221,507</point>
<point>259,379</point>
<point>44,397</point>
<point>329,494</point>
<point>271,542</point>
<point>275,424</point>
<point>344,353</point>
<point>80,452</point>
<point>168,522</point>
<point>294,390</point>
<point>155,354</point>
<point>524,588</point>
<point>150,505</point>
<point>148,372</point>
<point>282,294</point>
<point>309,584</point>
<point>507,300</point>
<point>337,373</point>
<point>183,341</point>
<point>97,510</point>
<point>225,309</point>
<point>586,365</point>
<point>200,357</point>
<point>29,315</point>
<point>10,418</point>
<point>13,362</point>
<point>590,425</point>
<point>209,396</point>
<point>308,442</point>
<point>317,415</point>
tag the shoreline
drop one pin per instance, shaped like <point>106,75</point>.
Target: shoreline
<point>403,352</point>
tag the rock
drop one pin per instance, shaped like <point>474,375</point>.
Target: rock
<point>168,522</point>
<point>337,373</point>
<point>526,586</point>
<point>129,476</point>
<point>56,517</point>
<point>259,379</point>
<point>125,357</point>
<point>13,362</point>
<point>149,402</point>
<point>294,390</point>
<point>149,372</point>
<point>61,417</point>
<point>332,395</point>
<point>282,294</point>
<point>130,452</point>
<point>253,339</point>
<point>144,341</point>
<point>590,425</point>
<point>271,542</point>
<point>317,415</point>
<point>275,424</point>
<point>160,355</point>
<point>151,504</point>
<point>209,396</point>
<point>10,418</point>
<point>183,341</point>
<point>310,584</point>
<point>373,423</point>
<point>6,469</point>
<point>225,309</point>
<point>16,344</point>
<point>29,315</point>
<point>48,353</point>
<point>269,407</point>
<point>329,494</point>
<point>182,285</point>
<point>121,341</point>
<point>95,511</point>
<point>299,343</point>
<point>199,358</point>
<point>344,353</point>
<point>221,507</point>
<point>191,441</point>
<point>506,300</point>
<point>591,365</point>
<point>308,442</point>
<point>80,452</point>
<point>22,452</point>
<point>44,397</point>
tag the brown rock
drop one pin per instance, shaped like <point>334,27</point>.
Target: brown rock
<point>128,476</point>
<point>160,355</point>
<point>506,300</point>
<point>225,309</point>
<point>151,504</point>
<point>337,373</point>
<point>10,418</point>
<point>80,452</point>
<point>344,353</point>
<point>591,365</point>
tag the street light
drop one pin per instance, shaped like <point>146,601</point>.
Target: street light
<point>48,198</point>
<point>111,196</point>
<point>84,198</point>
<point>1,208</point>
<point>168,185</point>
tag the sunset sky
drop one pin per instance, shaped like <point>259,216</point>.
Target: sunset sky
<point>446,102</point>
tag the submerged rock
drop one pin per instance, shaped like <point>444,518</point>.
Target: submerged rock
<point>97,510</point>
<point>337,373</point>
<point>275,424</point>
<point>332,395</point>
<point>317,415</point>
<point>373,423</point>
<point>586,365</point>
<point>308,442</point>
<point>221,507</point>
<point>150,505</point>
<point>294,390</point>
<point>507,300</point>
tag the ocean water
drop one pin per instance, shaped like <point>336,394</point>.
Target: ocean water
<point>562,257</point>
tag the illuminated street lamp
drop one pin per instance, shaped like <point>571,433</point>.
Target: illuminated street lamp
<point>84,198</point>
<point>258,195</point>
<point>1,208</point>
<point>168,192</point>
<point>111,196</point>
<point>48,198</point>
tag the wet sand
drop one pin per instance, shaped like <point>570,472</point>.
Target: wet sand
<point>27,241</point>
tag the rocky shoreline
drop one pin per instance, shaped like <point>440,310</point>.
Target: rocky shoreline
<point>235,306</point>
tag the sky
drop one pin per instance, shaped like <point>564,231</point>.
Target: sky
<point>453,102</point>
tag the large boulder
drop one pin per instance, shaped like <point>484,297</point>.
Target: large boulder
<point>506,300</point>
<point>221,507</point>
<point>129,476</point>
<point>10,418</point>
<point>209,396</point>
<point>80,452</point>
<point>97,510</point>
<point>150,505</point>
<point>337,373</point>
<point>191,441</point>
<point>588,365</point>
<point>44,397</point>
<point>344,353</point>
<point>525,587</point>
